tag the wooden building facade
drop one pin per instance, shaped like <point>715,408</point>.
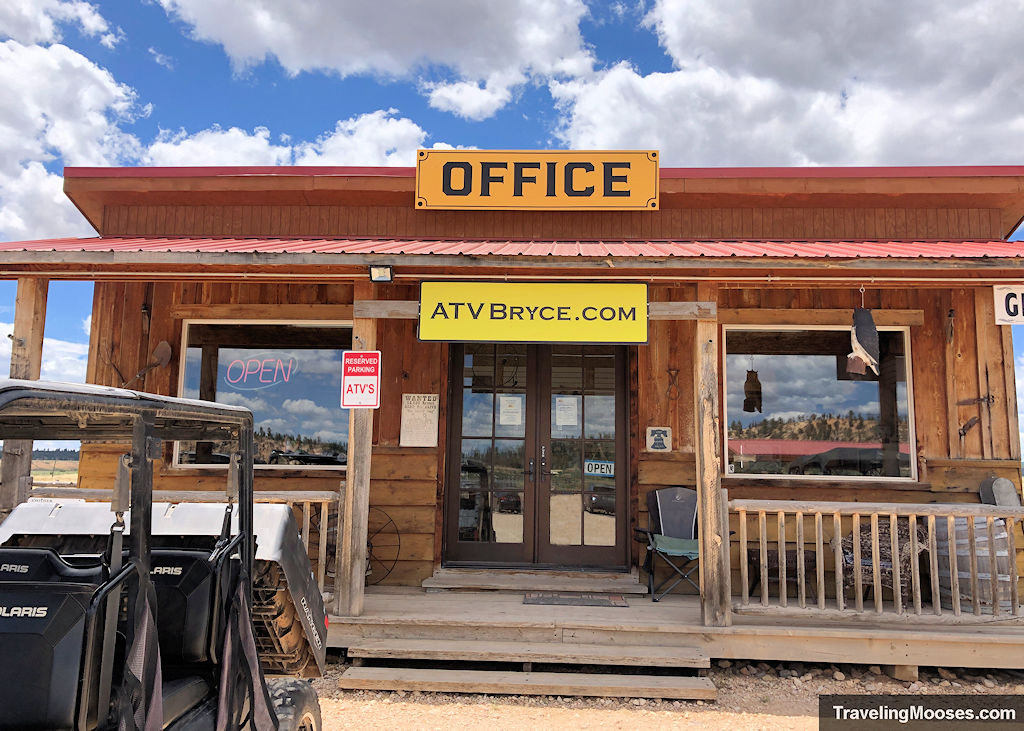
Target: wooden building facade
<point>747,271</point>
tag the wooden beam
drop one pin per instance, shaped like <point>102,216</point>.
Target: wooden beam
<point>261,312</point>
<point>354,507</point>
<point>189,496</point>
<point>387,309</point>
<point>715,589</point>
<point>682,310</point>
<point>765,316</point>
<point>1010,384</point>
<point>410,310</point>
<point>26,361</point>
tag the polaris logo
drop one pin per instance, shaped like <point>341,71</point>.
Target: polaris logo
<point>13,568</point>
<point>22,611</point>
<point>167,570</point>
<point>312,624</point>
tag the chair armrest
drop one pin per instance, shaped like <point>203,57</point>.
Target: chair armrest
<point>642,535</point>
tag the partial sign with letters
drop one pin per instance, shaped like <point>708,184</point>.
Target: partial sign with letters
<point>360,379</point>
<point>1009,304</point>
<point>557,180</point>
<point>520,312</point>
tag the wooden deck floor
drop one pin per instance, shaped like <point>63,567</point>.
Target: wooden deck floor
<point>675,621</point>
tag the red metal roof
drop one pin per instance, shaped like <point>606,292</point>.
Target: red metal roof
<point>799,447</point>
<point>870,249</point>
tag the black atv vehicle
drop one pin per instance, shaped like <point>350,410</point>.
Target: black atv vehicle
<point>135,615</point>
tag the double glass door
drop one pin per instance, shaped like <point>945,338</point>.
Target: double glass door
<point>537,460</point>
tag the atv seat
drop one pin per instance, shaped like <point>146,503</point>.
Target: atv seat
<point>44,565</point>
<point>43,621</point>
<point>181,695</point>
<point>188,598</point>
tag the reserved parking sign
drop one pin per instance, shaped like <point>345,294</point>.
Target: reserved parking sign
<point>360,379</point>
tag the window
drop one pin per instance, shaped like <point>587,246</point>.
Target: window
<point>793,409</point>
<point>288,375</point>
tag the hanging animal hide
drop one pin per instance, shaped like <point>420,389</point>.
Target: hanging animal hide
<point>752,393</point>
<point>864,341</point>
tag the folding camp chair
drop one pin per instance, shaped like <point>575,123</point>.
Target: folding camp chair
<point>672,535</point>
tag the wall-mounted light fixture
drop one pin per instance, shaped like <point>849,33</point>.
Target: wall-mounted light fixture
<point>380,273</point>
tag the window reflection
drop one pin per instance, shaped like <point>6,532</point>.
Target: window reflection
<point>815,418</point>
<point>493,460</point>
<point>288,376</point>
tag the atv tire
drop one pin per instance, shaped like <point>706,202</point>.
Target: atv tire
<point>296,704</point>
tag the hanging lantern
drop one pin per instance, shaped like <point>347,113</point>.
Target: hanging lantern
<point>864,341</point>
<point>752,393</point>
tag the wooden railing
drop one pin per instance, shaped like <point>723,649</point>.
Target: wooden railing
<point>312,511</point>
<point>915,559</point>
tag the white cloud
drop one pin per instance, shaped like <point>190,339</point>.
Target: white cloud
<point>62,360</point>
<point>504,42</point>
<point>38,21</point>
<point>326,435</point>
<point>216,146</point>
<point>377,138</point>
<point>233,398</point>
<point>841,83</point>
<point>305,407</point>
<point>162,59</point>
<point>469,99</point>
<point>276,425</point>
<point>33,206</point>
<point>55,104</point>
<point>87,326</point>
<point>374,138</point>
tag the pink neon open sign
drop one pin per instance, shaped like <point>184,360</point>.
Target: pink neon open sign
<point>253,374</point>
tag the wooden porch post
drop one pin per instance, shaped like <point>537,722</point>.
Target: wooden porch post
<point>715,584</point>
<point>26,362</point>
<point>355,499</point>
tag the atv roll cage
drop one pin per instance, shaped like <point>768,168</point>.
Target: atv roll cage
<point>234,690</point>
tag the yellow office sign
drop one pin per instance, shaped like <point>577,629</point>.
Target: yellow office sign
<point>508,312</point>
<point>560,180</point>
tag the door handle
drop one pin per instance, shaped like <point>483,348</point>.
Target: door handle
<point>544,471</point>
<point>529,470</point>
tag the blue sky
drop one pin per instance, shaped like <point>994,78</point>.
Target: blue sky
<point>346,82</point>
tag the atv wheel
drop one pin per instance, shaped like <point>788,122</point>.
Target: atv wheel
<point>296,704</point>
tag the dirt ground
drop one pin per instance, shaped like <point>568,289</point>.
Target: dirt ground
<point>750,696</point>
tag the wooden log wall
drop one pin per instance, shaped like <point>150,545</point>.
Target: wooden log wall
<point>970,374</point>
<point>962,368</point>
<point>682,223</point>
<point>129,319</point>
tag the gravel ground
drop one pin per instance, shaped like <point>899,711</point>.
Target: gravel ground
<point>751,695</point>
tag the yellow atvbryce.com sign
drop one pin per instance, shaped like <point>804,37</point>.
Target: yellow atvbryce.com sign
<point>558,180</point>
<point>516,312</point>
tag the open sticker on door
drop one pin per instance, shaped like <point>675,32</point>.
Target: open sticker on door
<point>598,468</point>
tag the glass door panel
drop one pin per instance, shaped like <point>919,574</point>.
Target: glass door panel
<point>584,486</point>
<point>489,524</point>
<point>542,456</point>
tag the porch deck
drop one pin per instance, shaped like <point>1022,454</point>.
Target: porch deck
<point>414,614</point>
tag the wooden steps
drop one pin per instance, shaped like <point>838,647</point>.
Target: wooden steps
<point>599,582</point>
<point>528,683</point>
<point>463,654</point>
<point>562,653</point>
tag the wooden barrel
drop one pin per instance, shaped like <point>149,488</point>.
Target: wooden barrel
<point>983,551</point>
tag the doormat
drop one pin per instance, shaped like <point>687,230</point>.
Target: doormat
<point>575,599</point>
